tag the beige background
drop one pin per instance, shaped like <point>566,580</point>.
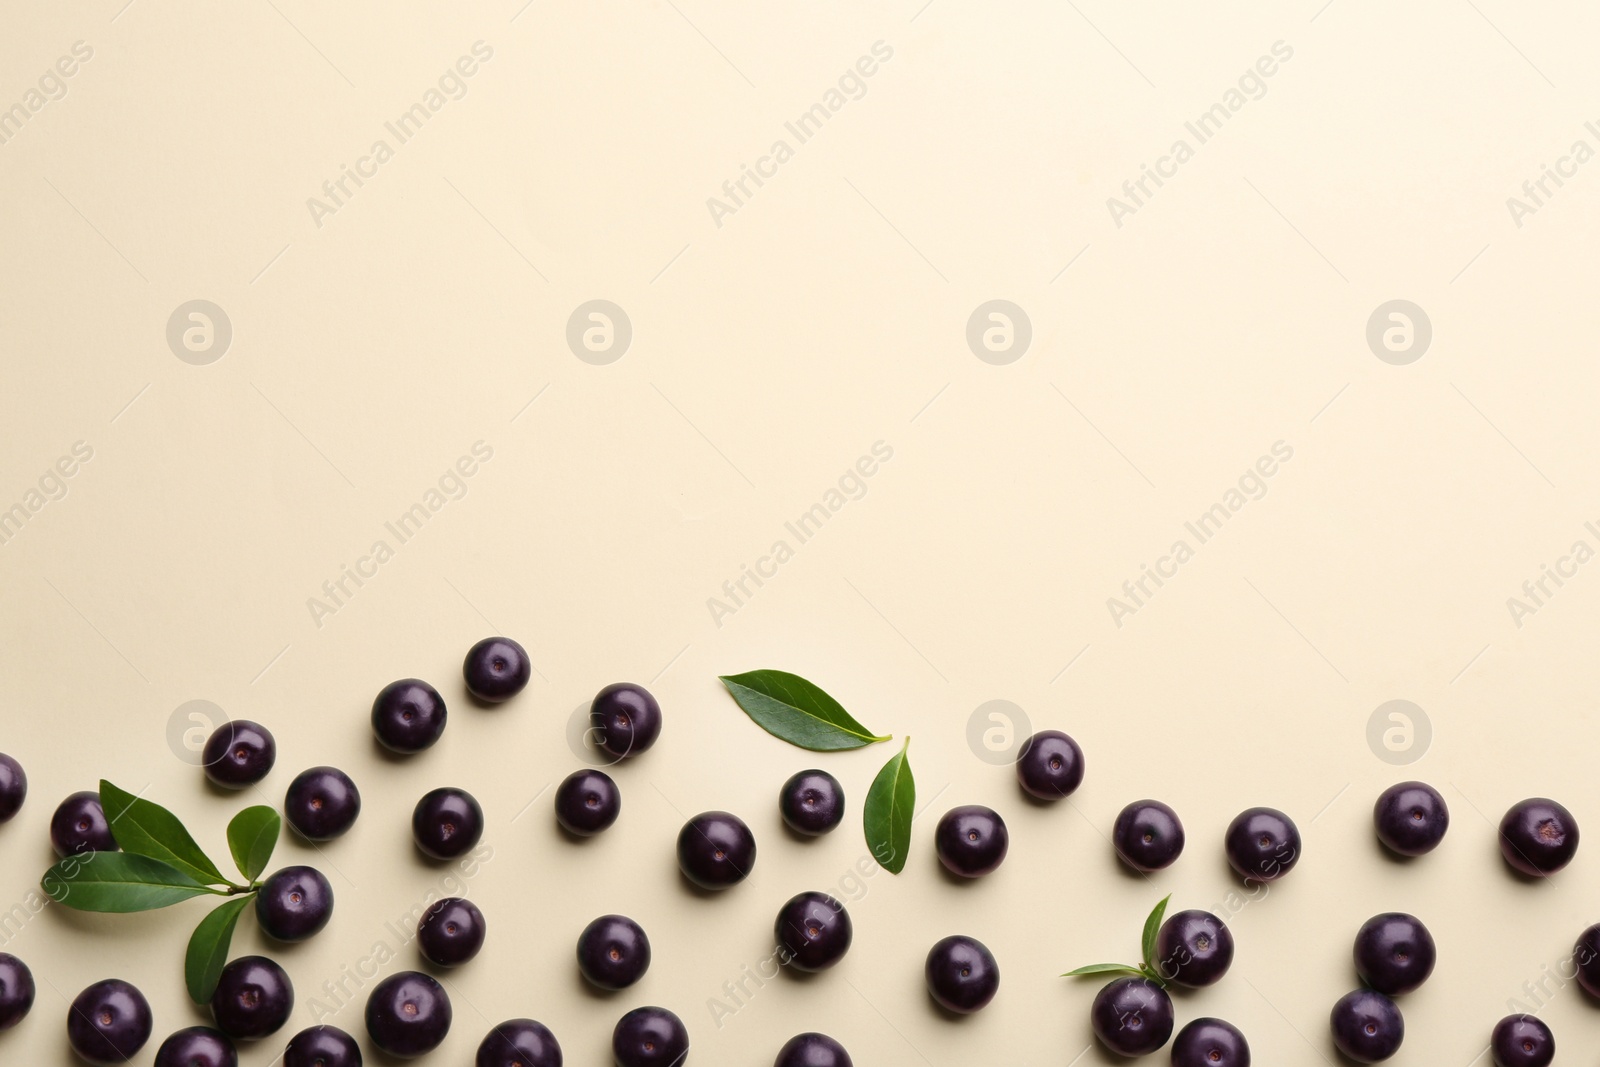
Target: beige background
<point>826,314</point>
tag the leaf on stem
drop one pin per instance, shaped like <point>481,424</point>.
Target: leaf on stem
<point>147,829</point>
<point>252,835</point>
<point>118,882</point>
<point>208,948</point>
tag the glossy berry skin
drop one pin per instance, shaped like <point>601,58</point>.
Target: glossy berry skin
<point>813,931</point>
<point>716,850</point>
<point>253,999</point>
<point>13,787</point>
<point>518,1043</point>
<point>961,973</point>
<point>587,802</point>
<point>496,669</point>
<point>322,1046</point>
<point>1132,1016</point>
<point>1263,844</point>
<point>1394,953</point>
<point>613,952</point>
<point>650,1037</point>
<point>625,718</point>
<point>811,803</point>
<point>1050,765</point>
<point>408,1014</point>
<point>16,990</point>
<point>1210,1043</point>
<point>447,823</point>
<point>971,840</point>
<point>239,753</point>
<point>294,903</point>
<point>1193,948</point>
<point>1367,1026</point>
<point>812,1050</point>
<point>1411,818</point>
<point>408,715</point>
<point>1538,837</point>
<point>451,932</point>
<point>109,1022</point>
<point>1522,1041</point>
<point>1586,960</point>
<point>1147,835</point>
<point>79,825</point>
<point>197,1046</point>
<point>322,803</point>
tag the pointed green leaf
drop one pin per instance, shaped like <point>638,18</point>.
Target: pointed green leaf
<point>252,835</point>
<point>1104,968</point>
<point>792,709</point>
<point>891,804</point>
<point>208,948</point>
<point>147,829</point>
<point>1152,926</point>
<point>118,882</point>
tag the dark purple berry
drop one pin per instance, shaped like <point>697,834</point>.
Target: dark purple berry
<point>1538,837</point>
<point>1367,1026</point>
<point>1411,818</point>
<point>812,1050</point>
<point>1586,960</point>
<point>294,903</point>
<point>451,932</point>
<point>1193,948</point>
<point>971,840</point>
<point>447,823</point>
<point>1263,844</point>
<point>197,1046</point>
<point>79,825</point>
<point>716,850</point>
<point>519,1043</point>
<point>496,669</point>
<point>1147,835</point>
<point>1210,1043</point>
<point>961,973</point>
<point>1394,953</point>
<point>1132,1016</point>
<point>408,1014</point>
<point>239,753</point>
<point>13,787</point>
<point>812,802</point>
<point>1050,765</point>
<point>253,998</point>
<point>626,719</point>
<point>813,931</point>
<point>587,802</point>
<point>109,1022</point>
<point>16,990</point>
<point>408,715</point>
<point>322,803</point>
<point>322,1046</point>
<point>1522,1041</point>
<point>650,1037</point>
<point>613,952</point>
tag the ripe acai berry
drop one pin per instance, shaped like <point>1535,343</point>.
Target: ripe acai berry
<point>1411,818</point>
<point>1050,765</point>
<point>13,787</point>
<point>716,850</point>
<point>1210,1043</point>
<point>496,669</point>
<point>1394,953</point>
<point>451,932</point>
<point>239,753</point>
<point>613,952</point>
<point>79,825</point>
<point>321,803</point>
<point>408,1014</point>
<point>1538,837</point>
<point>1586,960</point>
<point>109,1022</point>
<point>813,931</point>
<point>650,1037</point>
<point>16,990</point>
<point>1263,844</point>
<point>1132,1016</point>
<point>1367,1026</point>
<point>625,718</point>
<point>294,903</point>
<point>812,1050</point>
<point>197,1046</point>
<point>971,840</point>
<point>408,715</point>
<point>322,1046</point>
<point>447,823</point>
<point>587,802</point>
<point>1522,1041</point>
<point>1147,835</point>
<point>1193,948</point>
<point>962,974</point>
<point>812,802</point>
<point>519,1043</point>
<point>253,998</point>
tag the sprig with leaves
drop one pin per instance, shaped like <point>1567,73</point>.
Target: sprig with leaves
<point>1148,967</point>
<point>160,865</point>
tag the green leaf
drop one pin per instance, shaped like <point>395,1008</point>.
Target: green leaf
<point>1152,926</point>
<point>148,829</point>
<point>208,948</point>
<point>252,835</point>
<point>119,882</point>
<point>792,709</point>
<point>1105,968</point>
<point>891,805</point>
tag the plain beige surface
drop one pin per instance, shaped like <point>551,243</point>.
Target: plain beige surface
<point>826,313</point>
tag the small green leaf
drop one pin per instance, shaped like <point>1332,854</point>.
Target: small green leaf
<point>792,709</point>
<point>891,805</point>
<point>208,948</point>
<point>118,882</point>
<point>1105,968</point>
<point>148,829</point>
<point>1152,926</point>
<point>252,835</point>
